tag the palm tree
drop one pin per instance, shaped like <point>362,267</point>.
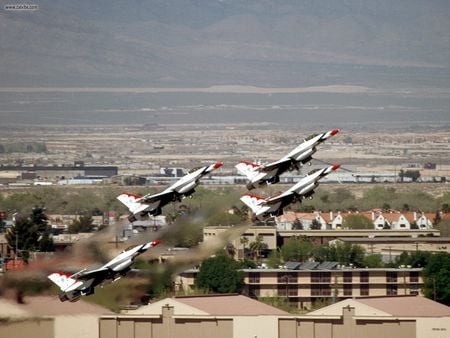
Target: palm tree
<point>257,246</point>
<point>243,241</point>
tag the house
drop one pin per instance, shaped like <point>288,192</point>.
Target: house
<point>409,317</point>
<point>47,316</point>
<point>224,315</point>
<point>306,220</point>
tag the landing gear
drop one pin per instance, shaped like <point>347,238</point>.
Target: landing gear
<point>274,180</point>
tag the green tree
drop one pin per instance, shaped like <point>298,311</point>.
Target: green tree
<point>297,249</point>
<point>357,222</point>
<point>324,253</point>
<point>83,224</point>
<point>373,261</point>
<point>343,253</point>
<point>350,254</point>
<point>46,242</point>
<point>274,260</point>
<point>437,278</point>
<point>244,241</point>
<point>257,246</point>
<point>39,219</point>
<point>417,259</point>
<point>220,274</point>
<point>315,225</point>
<point>22,237</point>
<point>297,224</point>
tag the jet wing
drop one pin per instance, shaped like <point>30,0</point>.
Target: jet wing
<point>97,274</point>
<point>281,165</point>
<point>284,198</point>
<point>164,197</point>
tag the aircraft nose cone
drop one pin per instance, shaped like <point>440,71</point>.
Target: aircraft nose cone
<point>334,132</point>
<point>218,165</point>
<point>336,166</point>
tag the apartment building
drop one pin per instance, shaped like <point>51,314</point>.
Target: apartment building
<point>304,284</point>
<point>273,237</point>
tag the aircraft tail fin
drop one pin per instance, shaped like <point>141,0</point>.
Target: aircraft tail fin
<point>62,280</point>
<point>130,200</point>
<point>247,169</point>
<point>253,202</point>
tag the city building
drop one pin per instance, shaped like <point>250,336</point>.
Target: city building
<point>57,172</point>
<point>305,284</point>
<point>273,237</point>
<point>390,247</point>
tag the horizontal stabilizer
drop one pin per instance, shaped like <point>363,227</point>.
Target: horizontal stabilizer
<point>62,280</point>
<point>250,170</point>
<point>253,202</point>
<point>130,200</point>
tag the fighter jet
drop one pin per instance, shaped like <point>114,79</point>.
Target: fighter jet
<point>141,207</point>
<point>263,208</point>
<point>84,282</point>
<point>260,175</point>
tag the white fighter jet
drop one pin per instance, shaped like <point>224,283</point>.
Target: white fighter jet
<point>260,175</point>
<point>84,282</point>
<point>141,207</point>
<point>264,208</point>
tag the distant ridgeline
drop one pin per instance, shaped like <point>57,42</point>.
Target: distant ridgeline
<point>23,147</point>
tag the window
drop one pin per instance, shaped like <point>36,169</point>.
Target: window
<point>292,290</point>
<point>320,277</point>
<point>253,277</point>
<point>348,290</point>
<point>391,276</point>
<point>287,277</point>
<point>254,290</point>
<point>414,276</point>
<point>414,289</point>
<point>364,276</point>
<point>320,290</point>
<point>364,289</point>
<point>391,289</point>
<point>287,291</point>
<point>348,278</point>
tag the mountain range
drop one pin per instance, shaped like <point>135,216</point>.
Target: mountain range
<point>200,43</point>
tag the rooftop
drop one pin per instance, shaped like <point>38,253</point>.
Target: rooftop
<point>48,306</point>
<point>400,306</point>
<point>213,305</point>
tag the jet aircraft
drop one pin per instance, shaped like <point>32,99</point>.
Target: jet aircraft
<point>260,175</point>
<point>141,207</point>
<point>263,208</point>
<point>84,282</point>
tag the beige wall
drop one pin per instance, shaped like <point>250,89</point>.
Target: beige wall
<point>165,326</point>
<point>346,326</point>
<point>255,326</point>
<point>80,326</point>
<point>433,327</point>
<point>42,327</point>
